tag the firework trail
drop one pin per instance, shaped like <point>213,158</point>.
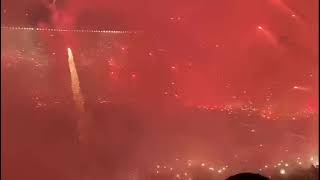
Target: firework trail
<point>77,95</point>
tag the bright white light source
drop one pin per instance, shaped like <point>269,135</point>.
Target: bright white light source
<point>282,171</point>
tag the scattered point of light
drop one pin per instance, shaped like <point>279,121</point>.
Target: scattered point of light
<point>217,45</point>
<point>211,169</point>
<point>252,130</point>
<point>157,172</point>
<point>286,164</point>
<point>186,174</point>
<point>282,171</point>
<point>279,164</point>
<point>171,169</point>
<point>158,166</point>
<point>133,76</point>
<point>260,27</point>
<point>203,164</point>
<point>178,175</point>
<point>311,159</point>
<point>293,15</point>
<point>189,164</point>
<point>219,171</point>
<point>266,166</point>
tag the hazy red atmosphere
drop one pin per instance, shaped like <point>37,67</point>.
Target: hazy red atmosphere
<point>121,89</point>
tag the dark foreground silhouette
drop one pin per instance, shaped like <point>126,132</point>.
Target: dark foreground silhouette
<point>247,176</point>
